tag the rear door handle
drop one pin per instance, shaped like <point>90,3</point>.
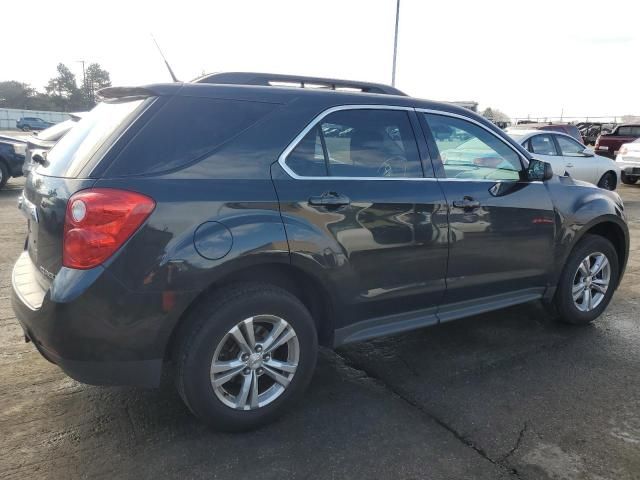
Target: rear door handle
<point>569,164</point>
<point>329,199</point>
<point>467,203</point>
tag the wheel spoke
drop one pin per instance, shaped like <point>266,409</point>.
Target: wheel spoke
<point>241,400</point>
<point>240,340</point>
<point>277,329</point>
<point>249,332</point>
<point>578,290</point>
<point>281,340</point>
<point>281,379</point>
<point>600,263</point>
<point>600,285</point>
<point>282,366</point>
<point>587,299</point>
<point>253,396</point>
<point>224,378</point>
<point>585,267</point>
<point>223,366</point>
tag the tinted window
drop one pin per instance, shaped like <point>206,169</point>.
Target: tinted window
<point>624,131</point>
<point>470,151</point>
<point>569,147</point>
<point>543,145</point>
<point>75,149</point>
<point>185,130</point>
<point>307,159</point>
<point>359,143</point>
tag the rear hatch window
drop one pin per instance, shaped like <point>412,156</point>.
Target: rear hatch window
<point>68,157</point>
<point>184,131</point>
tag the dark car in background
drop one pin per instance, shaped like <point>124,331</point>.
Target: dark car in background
<point>12,154</point>
<point>27,124</point>
<point>566,128</point>
<point>39,144</point>
<point>220,231</point>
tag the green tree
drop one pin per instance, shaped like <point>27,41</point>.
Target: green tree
<point>14,94</point>
<point>95,78</point>
<point>64,91</point>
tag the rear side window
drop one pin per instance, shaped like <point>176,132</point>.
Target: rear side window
<point>74,150</point>
<point>359,143</point>
<point>543,145</point>
<point>185,130</point>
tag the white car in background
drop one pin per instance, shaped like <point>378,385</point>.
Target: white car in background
<point>568,156</point>
<point>628,159</point>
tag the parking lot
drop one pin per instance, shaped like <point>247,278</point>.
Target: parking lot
<point>503,395</point>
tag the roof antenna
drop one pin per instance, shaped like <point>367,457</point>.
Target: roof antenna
<point>173,75</point>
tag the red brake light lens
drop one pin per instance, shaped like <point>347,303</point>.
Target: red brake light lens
<point>98,222</point>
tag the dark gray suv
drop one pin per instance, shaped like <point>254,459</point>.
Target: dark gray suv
<point>223,229</point>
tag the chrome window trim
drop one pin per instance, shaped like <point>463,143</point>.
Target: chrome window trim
<point>282,159</point>
<point>313,123</point>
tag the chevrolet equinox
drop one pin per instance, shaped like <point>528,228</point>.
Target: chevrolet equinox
<point>222,229</point>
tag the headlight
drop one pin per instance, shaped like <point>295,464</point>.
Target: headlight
<point>20,149</point>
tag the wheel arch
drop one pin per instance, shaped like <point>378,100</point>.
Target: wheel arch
<point>300,283</point>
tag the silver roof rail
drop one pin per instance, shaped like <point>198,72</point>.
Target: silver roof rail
<point>279,80</point>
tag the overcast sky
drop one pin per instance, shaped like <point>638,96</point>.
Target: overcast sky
<point>523,57</point>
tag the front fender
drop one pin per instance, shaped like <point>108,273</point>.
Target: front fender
<point>580,208</point>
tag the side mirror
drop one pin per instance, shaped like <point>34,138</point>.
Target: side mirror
<point>587,152</point>
<point>539,170</point>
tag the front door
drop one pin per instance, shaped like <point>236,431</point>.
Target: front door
<point>357,208</point>
<point>501,227</point>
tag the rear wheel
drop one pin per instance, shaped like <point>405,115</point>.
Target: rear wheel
<point>248,354</point>
<point>4,174</point>
<point>628,179</point>
<point>608,181</point>
<point>588,281</point>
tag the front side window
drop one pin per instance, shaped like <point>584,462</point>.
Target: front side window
<point>469,151</point>
<point>365,143</point>
<point>569,147</point>
<point>543,145</point>
<point>623,131</point>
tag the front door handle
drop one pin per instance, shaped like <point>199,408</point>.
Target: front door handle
<point>329,200</point>
<point>569,165</point>
<point>466,203</point>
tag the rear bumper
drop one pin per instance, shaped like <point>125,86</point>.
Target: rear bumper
<point>629,165</point>
<point>89,325</point>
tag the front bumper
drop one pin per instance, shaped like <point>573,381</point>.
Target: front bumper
<point>88,324</point>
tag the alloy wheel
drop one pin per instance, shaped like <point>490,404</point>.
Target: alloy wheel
<point>591,281</point>
<point>255,362</point>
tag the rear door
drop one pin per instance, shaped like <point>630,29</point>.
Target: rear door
<point>358,207</point>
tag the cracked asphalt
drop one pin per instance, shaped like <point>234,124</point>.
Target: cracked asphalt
<point>509,394</point>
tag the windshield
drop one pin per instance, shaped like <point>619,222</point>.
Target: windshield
<point>74,150</point>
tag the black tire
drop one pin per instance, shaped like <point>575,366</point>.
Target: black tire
<point>4,174</point>
<point>628,180</point>
<point>26,128</point>
<point>208,324</point>
<point>564,304</point>
<point>608,181</point>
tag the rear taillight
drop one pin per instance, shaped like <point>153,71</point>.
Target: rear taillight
<point>98,222</point>
<point>623,150</point>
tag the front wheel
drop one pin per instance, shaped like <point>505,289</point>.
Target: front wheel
<point>588,281</point>
<point>608,181</point>
<point>628,179</point>
<point>248,354</point>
